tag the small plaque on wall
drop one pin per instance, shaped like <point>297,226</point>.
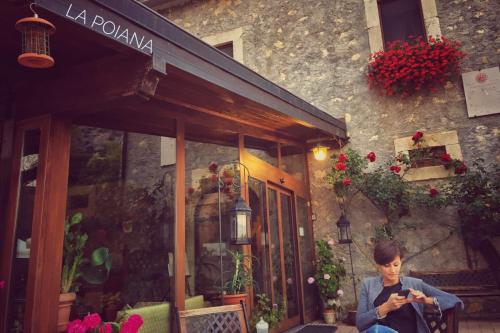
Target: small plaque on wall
<point>482,92</point>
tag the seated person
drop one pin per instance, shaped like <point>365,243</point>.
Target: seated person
<point>381,309</point>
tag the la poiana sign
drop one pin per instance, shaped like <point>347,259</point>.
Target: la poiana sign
<point>111,27</point>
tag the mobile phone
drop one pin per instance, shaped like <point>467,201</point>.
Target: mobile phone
<point>404,292</point>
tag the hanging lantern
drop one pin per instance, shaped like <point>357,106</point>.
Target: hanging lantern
<point>241,216</point>
<point>344,228</point>
<point>35,41</point>
<point>320,152</point>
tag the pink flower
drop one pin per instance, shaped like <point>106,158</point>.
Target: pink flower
<point>76,326</point>
<point>331,242</point>
<point>340,292</point>
<point>289,280</point>
<point>371,156</point>
<point>106,328</point>
<point>326,276</point>
<point>132,325</point>
<point>2,284</point>
<point>91,321</point>
<point>310,280</point>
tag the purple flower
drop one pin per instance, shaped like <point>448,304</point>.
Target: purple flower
<point>340,292</point>
<point>310,280</point>
<point>326,276</point>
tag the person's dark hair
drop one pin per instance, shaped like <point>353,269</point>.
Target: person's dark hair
<point>385,251</point>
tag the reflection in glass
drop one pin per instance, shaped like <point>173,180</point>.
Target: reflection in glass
<point>306,244</point>
<point>204,162</point>
<point>275,248</point>
<point>260,237</point>
<point>127,199</point>
<point>25,204</point>
<point>289,255</point>
<point>263,149</point>
<point>293,161</point>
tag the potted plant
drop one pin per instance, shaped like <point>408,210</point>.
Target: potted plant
<point>270,313</point>
<point>235,288</point>
<point>327,277</point>
<point>94,270</point>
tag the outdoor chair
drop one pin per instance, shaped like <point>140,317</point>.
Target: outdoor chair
<point>219,319</point>
<point>448,322</point>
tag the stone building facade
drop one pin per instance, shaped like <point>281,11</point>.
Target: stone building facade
<point>319,51</point>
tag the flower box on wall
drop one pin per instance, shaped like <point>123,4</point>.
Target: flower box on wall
<point>407,67</point>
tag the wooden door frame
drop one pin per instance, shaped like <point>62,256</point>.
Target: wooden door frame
<point>44,268</point>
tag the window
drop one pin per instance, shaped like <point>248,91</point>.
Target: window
<point>400,19</point>
<point>226,48</point>
<point>425,159</point>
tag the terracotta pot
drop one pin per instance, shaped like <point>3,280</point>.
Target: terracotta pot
<point>234,299</point>
<point>65,303</point>
<point>329,316</point>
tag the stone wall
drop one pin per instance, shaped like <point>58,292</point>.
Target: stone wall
<point>319,50</point>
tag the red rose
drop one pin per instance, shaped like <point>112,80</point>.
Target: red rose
<point>371,156</point>
<point>433,192</point>
<point>460,168</point>
<point>213,167</point>
<point>346,181</point>
<point>395,168</point>
<point>340,166</point>
<point>342,158</point>
<point>446,157</point>
<point>417,136</point>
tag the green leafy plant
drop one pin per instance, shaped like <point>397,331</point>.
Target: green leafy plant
<point>94,270</point>
<point>271,313</point>
<point>328,273</point>
<point>242,276</point>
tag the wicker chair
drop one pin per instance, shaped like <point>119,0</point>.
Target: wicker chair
<point>219,319</point>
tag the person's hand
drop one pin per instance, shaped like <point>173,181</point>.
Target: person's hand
<point>393,303</point>
<point>419,297</point>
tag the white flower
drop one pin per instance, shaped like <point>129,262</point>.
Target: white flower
<point>310,280</point>
<point>326,276</point>
<point>340,292</point>
<point>331,242</point>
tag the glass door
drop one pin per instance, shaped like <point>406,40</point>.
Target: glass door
<point>284,277</point>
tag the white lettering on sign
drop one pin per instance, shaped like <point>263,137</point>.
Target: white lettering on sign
<point>112,29</point>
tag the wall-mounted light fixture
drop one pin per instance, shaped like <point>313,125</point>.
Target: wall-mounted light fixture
<point>320,152</point>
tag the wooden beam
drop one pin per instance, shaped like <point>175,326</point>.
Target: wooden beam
<point>180,218</point>
<point>83,88</point>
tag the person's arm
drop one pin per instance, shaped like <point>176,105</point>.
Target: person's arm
<point>444,300</point>
<point>364,316</point>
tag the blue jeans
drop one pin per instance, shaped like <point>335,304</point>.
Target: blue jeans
<point>380,329</point>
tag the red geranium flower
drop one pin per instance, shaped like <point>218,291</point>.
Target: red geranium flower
<point>371,156</point>
<point>342,158</point>
<point>91,321</point>
<point>395,168</point>
<point>340,166</point>
<point>433,192</point>
<point>347,181</point>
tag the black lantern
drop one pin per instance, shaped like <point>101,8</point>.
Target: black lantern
<point>35,44</point>
<point>344,227</point>
<point>241,216</point>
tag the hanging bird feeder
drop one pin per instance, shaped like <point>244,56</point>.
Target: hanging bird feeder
<point>36,47</point>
